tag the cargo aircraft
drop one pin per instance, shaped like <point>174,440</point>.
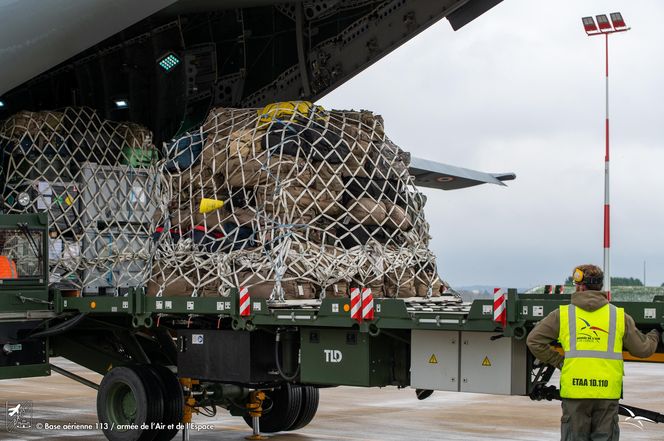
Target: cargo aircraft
<point>165,63</point>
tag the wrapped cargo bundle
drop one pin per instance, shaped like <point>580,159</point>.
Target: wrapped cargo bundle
<point>98,182</point>
<point>293,202</point>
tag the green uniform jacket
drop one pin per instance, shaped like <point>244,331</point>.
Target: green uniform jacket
<point>546,331</point>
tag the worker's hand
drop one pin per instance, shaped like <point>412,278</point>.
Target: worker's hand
<point>659,337</point>
<point>657,333</point>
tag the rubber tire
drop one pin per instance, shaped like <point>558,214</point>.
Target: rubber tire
<point>286,406</point>
<point>155,398</point>
<point>149,402</point>
<point>310,399</point>
<point>173,401</point>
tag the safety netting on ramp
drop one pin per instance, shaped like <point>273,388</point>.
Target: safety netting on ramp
<point>291,201</point>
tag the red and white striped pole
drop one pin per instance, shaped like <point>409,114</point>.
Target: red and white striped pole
<point>367,304</point>
<point>499,307</point>
<point>592,28</point>
<point>245,302</point>
<point>355,304</point>
<point>607,210</point>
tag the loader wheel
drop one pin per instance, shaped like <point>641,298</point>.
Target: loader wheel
<point>310,398</point>
<point>284,410</point>
<point>173,401</point>
<point>129,397</point>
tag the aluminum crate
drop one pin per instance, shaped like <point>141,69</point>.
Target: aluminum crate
<point>117,195</point>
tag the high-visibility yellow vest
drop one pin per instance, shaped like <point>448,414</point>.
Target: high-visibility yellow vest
<point>592,342</point>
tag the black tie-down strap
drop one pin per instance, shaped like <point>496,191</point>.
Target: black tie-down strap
<point>544,392</point>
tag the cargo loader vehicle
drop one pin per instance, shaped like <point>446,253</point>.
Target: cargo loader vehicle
<point>165,358</point>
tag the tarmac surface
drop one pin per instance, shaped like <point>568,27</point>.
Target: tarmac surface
<point>345,413</point>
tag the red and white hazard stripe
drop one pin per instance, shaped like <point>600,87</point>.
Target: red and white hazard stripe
<point>355,304</point>
<point>245,302</point>
<point>367,304</point>
<point>499,306</point>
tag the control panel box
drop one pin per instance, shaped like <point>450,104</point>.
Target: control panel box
<point>492,366</point>
<point>435,360</point>
<point>468,362</point>
<point>226,356</point>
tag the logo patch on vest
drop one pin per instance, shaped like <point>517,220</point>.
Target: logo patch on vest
<point>589,328</point>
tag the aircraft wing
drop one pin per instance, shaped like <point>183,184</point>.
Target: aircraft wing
<point>449,177</point>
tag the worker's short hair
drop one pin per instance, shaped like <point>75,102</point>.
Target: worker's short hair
<point>590,275</point>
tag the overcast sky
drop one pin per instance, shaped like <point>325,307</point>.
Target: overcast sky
<point>521,89</point>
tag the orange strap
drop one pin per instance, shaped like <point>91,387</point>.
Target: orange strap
<point>8,268</point>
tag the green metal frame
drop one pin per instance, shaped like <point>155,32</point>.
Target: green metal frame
<point>26,298</point>
<point>523,311</point>
<point>25,371</point>
<point>22,295</point>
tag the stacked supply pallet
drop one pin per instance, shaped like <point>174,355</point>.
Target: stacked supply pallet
<point>98,181</point>
<point>293,202</point>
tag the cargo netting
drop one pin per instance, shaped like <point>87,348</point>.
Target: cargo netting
<point>98,181</point>
<point>291,201</point>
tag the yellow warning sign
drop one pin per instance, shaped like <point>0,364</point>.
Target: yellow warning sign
<point>433,359</point>
<point>486,362</point>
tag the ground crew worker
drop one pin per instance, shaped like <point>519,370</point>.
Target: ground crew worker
<point>592,333</point>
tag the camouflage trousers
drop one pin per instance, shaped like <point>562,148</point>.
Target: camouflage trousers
<point>589,420</point>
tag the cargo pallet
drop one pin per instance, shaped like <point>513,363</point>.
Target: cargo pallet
<point>165,357</point>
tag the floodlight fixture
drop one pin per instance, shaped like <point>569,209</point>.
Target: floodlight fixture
<point>121,104</point>
<point>589,25</point>
<point>168,61</point>
<point>617,20</point>
<point>604,23</point>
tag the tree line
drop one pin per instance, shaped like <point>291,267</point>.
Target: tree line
<point>616,281</point>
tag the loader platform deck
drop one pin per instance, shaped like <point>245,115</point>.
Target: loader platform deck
<point>445,312</point>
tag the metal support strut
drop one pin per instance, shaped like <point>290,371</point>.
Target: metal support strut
<point>189,405</point>
<point>74,377</point>
<point>255,408</point>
